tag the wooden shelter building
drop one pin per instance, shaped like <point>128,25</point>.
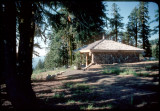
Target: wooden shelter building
<point>108,52</point>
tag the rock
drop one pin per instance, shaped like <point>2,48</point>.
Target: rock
<point>58,73</point>
<point>53,76</point>
<point>62,72</point>
<point>48,77</point>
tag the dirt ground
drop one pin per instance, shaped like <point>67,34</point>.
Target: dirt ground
<point>101,91</point>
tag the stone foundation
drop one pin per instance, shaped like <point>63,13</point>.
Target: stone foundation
<point>115,57</point>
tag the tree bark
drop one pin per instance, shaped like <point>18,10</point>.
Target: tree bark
<point>70,49</point>
<point>17,74</point>
<point>136,31</point>
<point>8,50</point>
<point>26,30</point>
<point>116,31</point>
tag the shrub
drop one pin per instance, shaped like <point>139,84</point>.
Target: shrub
<point>37,71</point>
<point>112,70</point>
<point>58,95</point>
<point>128,72</point>
<point>77,61</point>
<point>116,70</point>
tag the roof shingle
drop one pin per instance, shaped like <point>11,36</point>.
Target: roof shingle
<point>109,45</point>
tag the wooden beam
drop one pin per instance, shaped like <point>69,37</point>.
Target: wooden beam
<point>81,58</point>
<point>87,59</point>
<point>88,66</point>
<point>96,50</point>
<point>92,58</point>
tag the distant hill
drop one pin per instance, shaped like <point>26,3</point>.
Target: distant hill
<point>36,59</point>
<point>154,42</point>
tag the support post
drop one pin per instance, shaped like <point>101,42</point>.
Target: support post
<point>81,58</point>
<point>87,59</point>
<point>92,58</point>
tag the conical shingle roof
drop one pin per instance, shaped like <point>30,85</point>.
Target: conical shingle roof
<point>109,46</point>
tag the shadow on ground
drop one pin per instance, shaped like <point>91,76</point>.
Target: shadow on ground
<point>94,90</point>
<point>91,89</point>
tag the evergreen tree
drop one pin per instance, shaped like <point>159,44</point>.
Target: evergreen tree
<point>21,15</point>
<point>157,50</point>
<point>133,24</point>
<point>115,22</point>
<point>144,27</point>
<point>40,65</point>
<point>77,24</point>
<point>156,28</point>
<point>57,55</point>
<point>129,35</point>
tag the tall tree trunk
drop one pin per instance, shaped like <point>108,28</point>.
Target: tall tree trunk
<point>26,30</point>
<point>8,51</point>
<point>70,49</point>
<point>143,36</point>
<point>17,81</point>
<point>116,31</point>
<point>136,31</point>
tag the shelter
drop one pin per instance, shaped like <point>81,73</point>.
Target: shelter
<point>108,52</point>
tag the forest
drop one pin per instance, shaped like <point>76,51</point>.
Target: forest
<point>67,25</point>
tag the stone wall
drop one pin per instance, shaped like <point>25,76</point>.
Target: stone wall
<point>115,57</point>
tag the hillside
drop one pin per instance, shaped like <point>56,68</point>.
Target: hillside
<point>36,59</point>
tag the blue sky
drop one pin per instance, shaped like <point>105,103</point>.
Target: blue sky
<point>125,10</point>
<point>127,7</point>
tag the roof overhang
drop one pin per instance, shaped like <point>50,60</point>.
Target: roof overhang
<point>94,50</point>
<point>85,51</point>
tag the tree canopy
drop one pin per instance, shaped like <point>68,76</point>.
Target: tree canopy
<point>72,24</point>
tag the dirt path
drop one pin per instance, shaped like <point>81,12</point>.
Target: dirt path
<point>108,91</point>
<point>93,90</point>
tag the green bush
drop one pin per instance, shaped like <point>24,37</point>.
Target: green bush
<point>77,59</point>
<point>58,95</point>
<point>128,72</point>
<point>37,71</point>
<point>112,70</point>
<point>117,70</point>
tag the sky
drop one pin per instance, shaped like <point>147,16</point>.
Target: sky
<point>125,10</point>
<point>127,7</point>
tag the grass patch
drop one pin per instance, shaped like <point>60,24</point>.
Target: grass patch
<point>152,67</point>
<point>70,102</point>
<point>142,74</point>
<point>81,88</point>
<point>41,74</point>
<point>89,107</point>
<point>69,85</point>
<point>128,72</point>
<point>39,71</point>
<point>117,70</point>
<point>92,107</point>
<point>58,95</point>
<point>78,87</point>
<point>80,91</point>
<point>112,70</point>
<point>110,106</point>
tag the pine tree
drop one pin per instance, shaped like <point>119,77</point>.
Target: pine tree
<point>40,65</point>
<point>133,25</point>
<point>156,28</point>
<point>144,27</point>
<point>58,54</point>
<point>157,50</point>
<point>78,24</point>
<point>129,35</point>
<point>115,22</point>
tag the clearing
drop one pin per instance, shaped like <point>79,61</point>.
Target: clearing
<point>95,90</point>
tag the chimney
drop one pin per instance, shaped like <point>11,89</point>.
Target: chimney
<point>103,37</point>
